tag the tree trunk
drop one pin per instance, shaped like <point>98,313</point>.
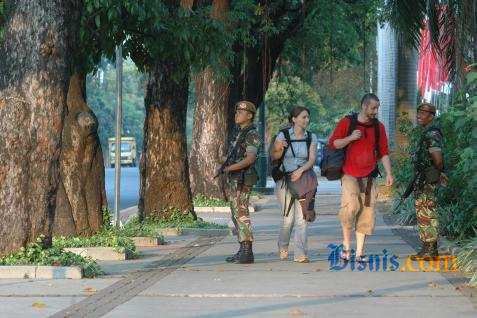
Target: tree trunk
<point>34,80</point>
<point>81,194</point>
<point>209,141</point>
<point>164,167</point>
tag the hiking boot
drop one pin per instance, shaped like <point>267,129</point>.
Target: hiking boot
<point>235,257</point>
<point>246,254</point>
<point>432,253</point>
<point>428,252</point>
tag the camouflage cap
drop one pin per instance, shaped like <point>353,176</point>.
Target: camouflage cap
<point>427,107</point>
<point>246,105</point>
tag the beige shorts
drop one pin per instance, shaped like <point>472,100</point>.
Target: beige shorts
<point>353,214</point>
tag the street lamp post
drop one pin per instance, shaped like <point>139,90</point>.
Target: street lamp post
<point>117,152</point>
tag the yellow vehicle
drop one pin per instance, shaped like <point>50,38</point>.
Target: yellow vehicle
<point>128,151</point>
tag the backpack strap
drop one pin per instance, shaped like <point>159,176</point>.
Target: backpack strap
<point>377,136</point>
<point>353,117</point>
<point>286,133</point>
<point>308,144</point>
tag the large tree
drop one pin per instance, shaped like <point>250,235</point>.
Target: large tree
<point>209,138</point>
<point>259,30</point>
<point>81,196</point>
<point>34,74</point>
<point>166,40</point>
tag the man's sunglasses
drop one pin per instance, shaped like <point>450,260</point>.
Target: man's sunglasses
<point>426,111</point>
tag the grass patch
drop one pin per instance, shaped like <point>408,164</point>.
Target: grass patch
<point>37,254</point>
<point>180,220</point>
<point>151,225</point>
<point>134,228</point>
<point>105,238</point>
<point>203,201</point>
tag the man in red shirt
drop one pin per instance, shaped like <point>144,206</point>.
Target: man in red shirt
<point>359,170</point>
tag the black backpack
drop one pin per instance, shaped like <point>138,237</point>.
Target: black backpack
<point>332,162</point>
<point>276,165</point>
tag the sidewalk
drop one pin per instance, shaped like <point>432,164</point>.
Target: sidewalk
<point>189,278</point>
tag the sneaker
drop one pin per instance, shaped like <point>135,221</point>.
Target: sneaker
<point>302,259</point>
<point>283,255</point>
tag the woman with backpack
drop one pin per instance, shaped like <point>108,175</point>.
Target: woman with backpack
<point>293,153</point>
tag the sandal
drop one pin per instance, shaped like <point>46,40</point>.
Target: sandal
<point>283,255</point>
<point>302,259</point>
<point>345,255</point>
<point>361,259</point>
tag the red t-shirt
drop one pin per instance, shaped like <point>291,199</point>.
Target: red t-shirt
<point>360,158</point>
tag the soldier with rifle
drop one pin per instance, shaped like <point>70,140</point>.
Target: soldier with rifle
<point>428,175</point>
<point>241,175</point>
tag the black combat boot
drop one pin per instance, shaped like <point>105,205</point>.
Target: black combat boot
<point>432,253</point>
<point>422,253</point>
<point>246,255</point>
<point>234,258</point>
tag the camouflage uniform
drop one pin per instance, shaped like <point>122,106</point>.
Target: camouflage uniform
<point>241,183</point>
<point>425,197</point>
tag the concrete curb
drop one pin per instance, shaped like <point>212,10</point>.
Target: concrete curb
<point>144,241</point>
<point>41,272</point>
<point>206,232</point>
<point>220,209</point>
<point>169,231</point>
<point>99,253</point>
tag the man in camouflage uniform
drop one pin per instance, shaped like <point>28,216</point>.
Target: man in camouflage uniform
<point>241,176</point>
<point>428,163</point>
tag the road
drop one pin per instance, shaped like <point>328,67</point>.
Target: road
<point>130,186</point>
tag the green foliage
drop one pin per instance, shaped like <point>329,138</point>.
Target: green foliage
<point>331,54</point>
<point>467,260</point>
<point>456,202</point>
<point>3,14</point>
<point>201,201</point>
<point>286,93</point>
<point>105,238</point>
<point>37,254</point>
<point>136,228</point>
<point>177,219</point>
<point>101,97</point>
<point>333,37</point>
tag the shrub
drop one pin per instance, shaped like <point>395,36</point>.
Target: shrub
<point>37,253</point>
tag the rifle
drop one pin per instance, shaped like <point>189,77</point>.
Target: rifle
<point>227,162</point>
<point>409,189</point>
<point>233,152</point>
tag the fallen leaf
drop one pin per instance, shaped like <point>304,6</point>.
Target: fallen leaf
<point>295,312</point>
<point>89,290</point>
<point>318,270</point>
<point>370,291</point>
<point>433,285</point>
<point>38,305</point>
